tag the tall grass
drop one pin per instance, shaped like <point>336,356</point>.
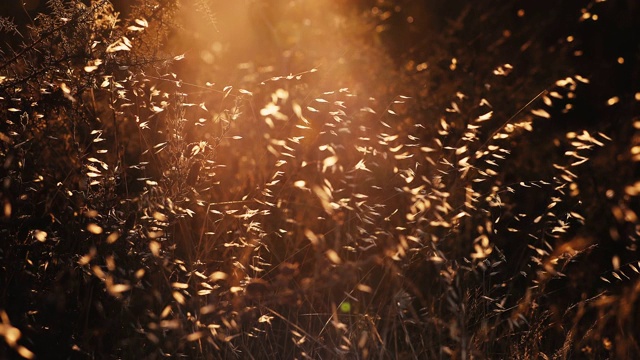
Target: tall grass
<point>149,217</point>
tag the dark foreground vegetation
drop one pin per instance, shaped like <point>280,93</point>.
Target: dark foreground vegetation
<point>328,179</point>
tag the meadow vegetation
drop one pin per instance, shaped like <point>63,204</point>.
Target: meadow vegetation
<point>343,180</point>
